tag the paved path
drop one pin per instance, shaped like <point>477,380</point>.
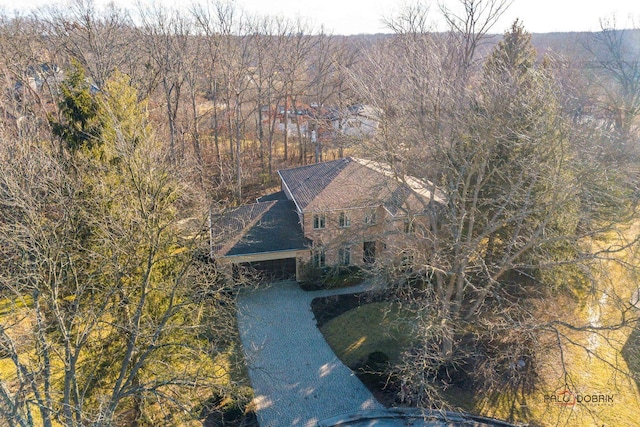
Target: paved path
<point>296,377</point>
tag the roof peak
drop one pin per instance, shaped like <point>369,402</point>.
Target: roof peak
<point>343,159</point>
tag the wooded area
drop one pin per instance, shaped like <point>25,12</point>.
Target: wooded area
<point>122,131</point>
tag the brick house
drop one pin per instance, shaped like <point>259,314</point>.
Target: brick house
<point>343,212</point>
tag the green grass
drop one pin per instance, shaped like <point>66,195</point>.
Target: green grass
<point>379,326</point>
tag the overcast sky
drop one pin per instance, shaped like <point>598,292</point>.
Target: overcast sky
<point>364,16</point>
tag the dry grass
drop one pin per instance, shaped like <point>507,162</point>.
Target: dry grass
<point>592,363</point>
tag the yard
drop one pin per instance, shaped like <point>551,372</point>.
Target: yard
<point>602,368</point>
<point>228,405</point>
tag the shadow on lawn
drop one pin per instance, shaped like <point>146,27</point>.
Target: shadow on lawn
<point>512,406</point>
<point>631,354</point>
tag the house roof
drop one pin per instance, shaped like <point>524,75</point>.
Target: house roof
<point>268,226</point>
<point>305,183</point>
<point>273,196</point>
<point>356,183</point>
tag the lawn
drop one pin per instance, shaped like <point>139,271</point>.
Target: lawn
<point>369,328</point>
<point>604,364</point>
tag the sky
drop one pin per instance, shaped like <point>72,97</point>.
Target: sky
<point>365,16</point>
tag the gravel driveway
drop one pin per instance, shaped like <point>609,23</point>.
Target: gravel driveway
<point>296,377</point>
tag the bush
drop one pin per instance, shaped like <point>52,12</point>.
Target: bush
<point>374,371</point>
<point>229,410</point>
<point>316,278</point>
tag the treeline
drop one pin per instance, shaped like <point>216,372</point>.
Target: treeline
<point>227,91</point>
<point>220,85</point>
<point>120,130</point>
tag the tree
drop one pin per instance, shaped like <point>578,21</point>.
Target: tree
<point>98,269</point>
<point>100,40</point>
<point>502,177</point>
<point>78,125</point>
<point>166,34</point>
<point>616,58</point>
<point>513,228</point>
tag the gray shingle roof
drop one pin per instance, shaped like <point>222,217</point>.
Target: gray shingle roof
<point>307,182</point>
<point>355,183</point>
<point>269,226</point>
<point>273,196</point>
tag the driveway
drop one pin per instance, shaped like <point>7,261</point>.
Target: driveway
<point>296,377</point>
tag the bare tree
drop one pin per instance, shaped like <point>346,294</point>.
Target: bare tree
<point>513,223</point>
<point>212,21</point>
<point>470,23</point>
<point>167,34</point>
<point>616,58</point>
<point>101,40</point>
<point>101,279</point>
<point>30,74</point>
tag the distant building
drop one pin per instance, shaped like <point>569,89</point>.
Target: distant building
<point>357,121</point>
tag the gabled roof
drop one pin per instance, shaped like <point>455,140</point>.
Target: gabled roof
<point>356,183</point>
<point>269,226</point>
<point>307,182</point>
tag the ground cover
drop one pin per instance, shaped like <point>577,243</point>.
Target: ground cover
<point>229,405</point>
<point>593,384</point>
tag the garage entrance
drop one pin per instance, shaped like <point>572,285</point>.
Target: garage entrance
<point>273,269</point>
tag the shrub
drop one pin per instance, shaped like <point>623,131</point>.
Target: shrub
<point>315,278</point>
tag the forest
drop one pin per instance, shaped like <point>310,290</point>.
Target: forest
<point>124,132</point>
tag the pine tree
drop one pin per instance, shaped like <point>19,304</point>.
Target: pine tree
<point>78,124</point>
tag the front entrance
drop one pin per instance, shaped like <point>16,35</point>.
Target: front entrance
<point>369,252</point>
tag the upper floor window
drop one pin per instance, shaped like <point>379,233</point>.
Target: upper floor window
<point>344,220</point>
<point>370,217</point>
<point>319,221</point>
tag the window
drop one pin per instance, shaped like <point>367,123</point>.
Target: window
<point>344,255</point>
<point>408,226</point>
<point>369,252</point>
<point>370,217</point>
<point>319,257</point>
<point>319,221</point>
<point>344,220</point>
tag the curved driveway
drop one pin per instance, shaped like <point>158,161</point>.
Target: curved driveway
<point>296,377</point>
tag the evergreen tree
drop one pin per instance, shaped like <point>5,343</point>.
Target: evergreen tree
<point>78,123</point>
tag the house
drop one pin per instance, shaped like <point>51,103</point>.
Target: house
<point>344,212</point>
<point>328,123</point>
<point>357,121</point>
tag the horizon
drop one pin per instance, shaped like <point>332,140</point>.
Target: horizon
<point>356,17</point>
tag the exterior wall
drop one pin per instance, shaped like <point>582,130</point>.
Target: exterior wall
<point>292,125</point>
<point>398,240</point>
<point>388,233</point>
<point>356,126</point>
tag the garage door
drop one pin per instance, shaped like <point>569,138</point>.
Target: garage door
<point>275,269</point>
